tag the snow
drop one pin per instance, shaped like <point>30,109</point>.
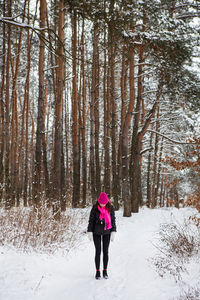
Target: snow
<point>34,276</point>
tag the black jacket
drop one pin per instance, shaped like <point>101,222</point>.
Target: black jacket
<point>96,225</point>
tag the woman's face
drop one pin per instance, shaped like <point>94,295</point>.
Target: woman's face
<point>102,205</point>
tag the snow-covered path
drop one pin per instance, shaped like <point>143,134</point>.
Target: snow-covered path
<point>131,277</point>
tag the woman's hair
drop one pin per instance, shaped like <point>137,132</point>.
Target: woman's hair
<point>108,206</point>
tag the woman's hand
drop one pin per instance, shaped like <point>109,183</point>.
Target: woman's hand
<point>113,235</point>
<point>90,236</point>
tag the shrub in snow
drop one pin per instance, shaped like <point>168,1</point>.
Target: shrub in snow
<point>192,293</point>
<point>179,240</point>
<point>23,229</point>
<point>177,244</point>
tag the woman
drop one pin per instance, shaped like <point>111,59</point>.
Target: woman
<point>102,227</point>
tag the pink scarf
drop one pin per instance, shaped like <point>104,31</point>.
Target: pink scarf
<point>104,214</point>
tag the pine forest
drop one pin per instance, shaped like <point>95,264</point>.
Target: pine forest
<point>100,117</point>
<point>99,96</point>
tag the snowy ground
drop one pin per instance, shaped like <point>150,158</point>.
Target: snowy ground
<point>132,276</point>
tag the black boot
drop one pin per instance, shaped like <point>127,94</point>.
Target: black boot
<point>98,275</point>
<point>105,275</point>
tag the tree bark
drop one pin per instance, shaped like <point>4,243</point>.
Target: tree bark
<point>155,175</point>
<point>14,151</point>
<point>83,128</point>
<point>136,148</point>
<point>123,115</point>
<point>125,140</point>
<point>159,169</point>
<point>75,130</point>
<point>96,107</point>
<point>112,46</point>
<point>7,113</point>
<point>92,119</point>
<point>37,186</point>
<point>136,144</point>
<point>149,174</point>
<point>59,173</point>
<point>106,84</point>
<point>2,109</point>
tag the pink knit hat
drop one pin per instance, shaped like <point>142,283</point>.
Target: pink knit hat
<point>103,198</point>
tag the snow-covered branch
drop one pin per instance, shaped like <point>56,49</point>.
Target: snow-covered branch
<point>187,5</point>
<point>186,16</point>
<point>53,67</point>
<point>23,25</point>
<point>146,150</point>
<point>169,139</point>
<point>149,92</point>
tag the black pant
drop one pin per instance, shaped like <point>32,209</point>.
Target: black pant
<point>97,242</point>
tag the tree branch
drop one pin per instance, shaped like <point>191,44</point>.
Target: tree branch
<point>150,114</point>
<point>169,139</point>
<point>23,25</point>
<point>146,150</point>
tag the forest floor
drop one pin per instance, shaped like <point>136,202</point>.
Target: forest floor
<point>132,275</point>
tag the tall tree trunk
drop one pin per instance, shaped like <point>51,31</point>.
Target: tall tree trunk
<point>136,146</point>
<point>159,169</point>
<point>67,126</point>
<point>37,186</point>
<point>7,113</point>
<point>95,91</point>
<point>75,130</point>
<point>92,125</point>
<point>58,174</point>
<point>162,189</point>
<point>106,88</point>
<point>2,114</point>
<point>14,151</point>
<point>113,116</point>
<point>27,179</point>
<point>125,140</point>
<point>123,114</point>
<point>26,99</point>
<point>155,175</point>
<point>149,174</point>
<point>135,169</point>
<point>135,162</point>
<point>83,129</point>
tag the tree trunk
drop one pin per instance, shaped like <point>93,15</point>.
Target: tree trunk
<point>162,189</point>
<point>92,119</point>
<point>96,107</point>
<point>26,99</point>
<point>159,169</point>
<point>75,130</point>
<point>2,114</point>
<point>106,84</point>
<point>113,117</point>
<point>58,174</point>
<point>37,186</point>
<point>155,175</point>
<point>136,148</point>
<point>125,140</point>
<point>7,113</point>
<point>83,129</point>
<point>136,143</point>
<point>67,159</point>
<point>123,115</point>
<point>149,174</point>
<point>14,152</point>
